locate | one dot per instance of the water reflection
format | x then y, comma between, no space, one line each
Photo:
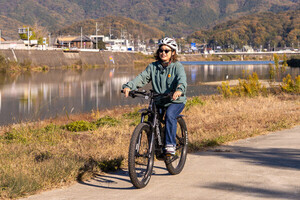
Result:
41,95
211,73
34,96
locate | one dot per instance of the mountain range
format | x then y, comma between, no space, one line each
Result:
174,17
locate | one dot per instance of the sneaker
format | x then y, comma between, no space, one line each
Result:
170,150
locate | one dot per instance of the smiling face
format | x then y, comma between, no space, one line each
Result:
165,53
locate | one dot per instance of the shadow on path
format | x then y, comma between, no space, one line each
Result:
114,180
255,191
281,158
272,157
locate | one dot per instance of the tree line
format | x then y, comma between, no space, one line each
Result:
266,30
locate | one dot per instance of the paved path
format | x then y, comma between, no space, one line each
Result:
264,167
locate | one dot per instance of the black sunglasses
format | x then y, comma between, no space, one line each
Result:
166,51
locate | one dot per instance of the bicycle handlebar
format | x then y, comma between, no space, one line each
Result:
147,95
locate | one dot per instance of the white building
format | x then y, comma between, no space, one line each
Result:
114,44
13,44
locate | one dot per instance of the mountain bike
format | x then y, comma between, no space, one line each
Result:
148,141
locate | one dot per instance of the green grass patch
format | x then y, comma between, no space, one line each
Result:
193,102
134,116
107,121
282,124
14,136
79,126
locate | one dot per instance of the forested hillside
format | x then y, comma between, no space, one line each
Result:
115,26
9,27
266,29
174,17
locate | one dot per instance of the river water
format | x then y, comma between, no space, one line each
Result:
33,96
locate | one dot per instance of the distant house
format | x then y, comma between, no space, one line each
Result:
8,43
118,44
247,48
83,42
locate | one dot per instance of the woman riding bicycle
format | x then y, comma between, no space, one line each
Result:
167,75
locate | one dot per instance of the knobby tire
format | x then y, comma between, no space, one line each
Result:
175,166
140,156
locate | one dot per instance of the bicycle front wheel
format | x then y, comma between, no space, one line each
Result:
141,155
176,163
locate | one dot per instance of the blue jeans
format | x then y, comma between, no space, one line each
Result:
171,122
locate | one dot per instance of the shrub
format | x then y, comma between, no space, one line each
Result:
247,87
14,136
250,87
289,85
2,61
276,61
284,64
26,64
107,120
51,128
271,73
225,89
80,126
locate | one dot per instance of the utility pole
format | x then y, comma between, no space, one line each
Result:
109,32
96,35
0,37
28,38
80,37
49,39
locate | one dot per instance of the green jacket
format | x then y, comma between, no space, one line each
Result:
164,80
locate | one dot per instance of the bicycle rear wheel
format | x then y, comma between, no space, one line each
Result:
141,156
176,163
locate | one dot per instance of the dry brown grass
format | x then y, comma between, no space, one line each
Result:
222,120
42,155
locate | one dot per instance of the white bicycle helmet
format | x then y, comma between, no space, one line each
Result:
170,43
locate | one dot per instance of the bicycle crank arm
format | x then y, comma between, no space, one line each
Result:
168,160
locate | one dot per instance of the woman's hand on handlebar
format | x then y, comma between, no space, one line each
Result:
176,95
126,91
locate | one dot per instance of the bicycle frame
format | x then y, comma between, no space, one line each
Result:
155,118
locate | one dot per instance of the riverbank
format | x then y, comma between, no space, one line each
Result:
48,154
59,58
49,59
